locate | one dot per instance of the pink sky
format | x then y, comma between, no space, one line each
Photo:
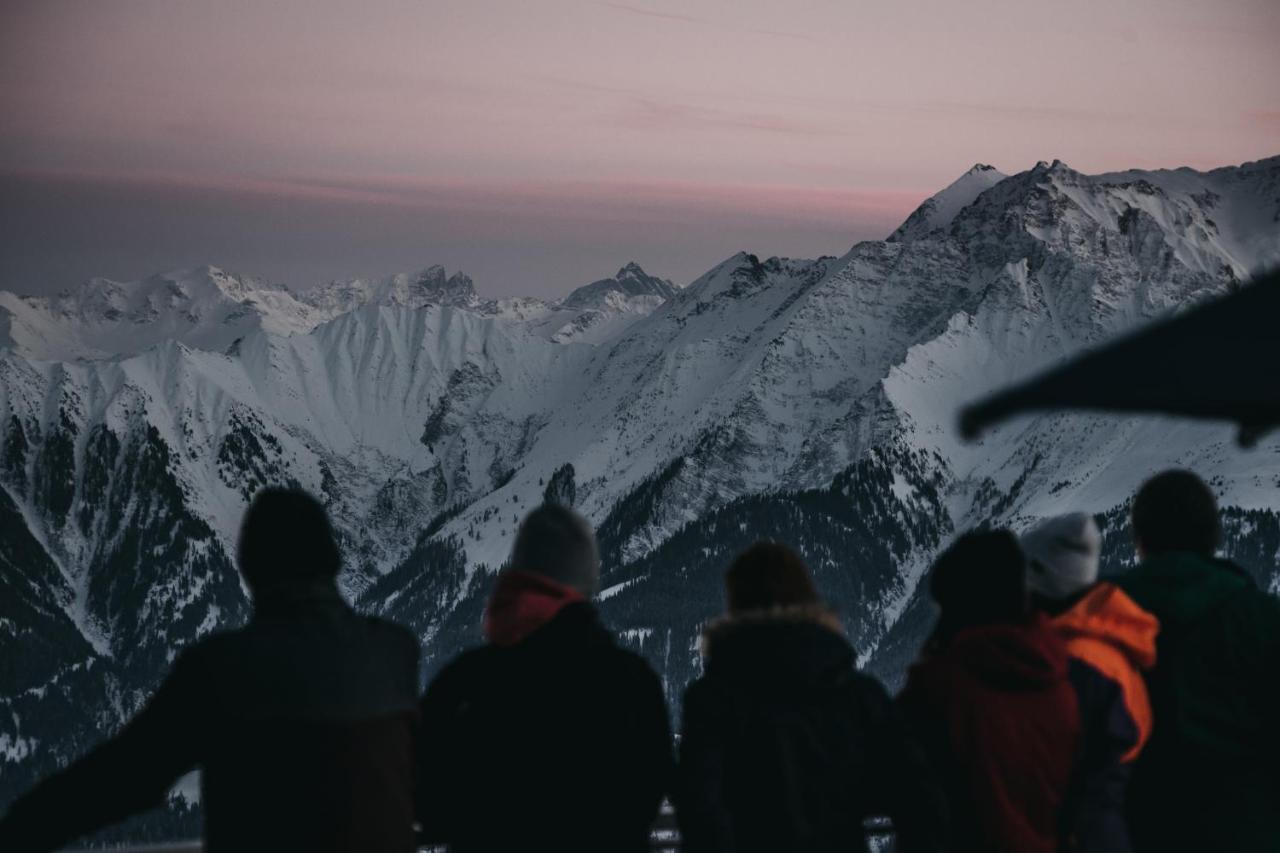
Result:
791,123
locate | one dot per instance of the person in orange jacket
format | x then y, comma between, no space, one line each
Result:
1111,641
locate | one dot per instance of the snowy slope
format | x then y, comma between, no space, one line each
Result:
208,309
204,308
813,400
938,211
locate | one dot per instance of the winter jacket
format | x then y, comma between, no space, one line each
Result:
1108,631
999,719
301,722
1094,813
787,747
1210,775
1110,641
557,742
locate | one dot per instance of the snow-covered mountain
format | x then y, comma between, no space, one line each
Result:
208,309
940,210
812,400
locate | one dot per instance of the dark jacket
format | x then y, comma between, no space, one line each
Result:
301,723
1210,775
558,742
787,747
1094,812
999,720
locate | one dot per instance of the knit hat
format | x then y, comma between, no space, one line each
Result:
980,580
286,538
768,575
1062,555
557,543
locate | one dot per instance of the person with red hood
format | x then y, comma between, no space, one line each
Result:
1112,642
991,702
550,736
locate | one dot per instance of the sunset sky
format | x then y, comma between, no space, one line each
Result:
539,145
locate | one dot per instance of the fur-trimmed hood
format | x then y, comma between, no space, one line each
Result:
812,614
803,645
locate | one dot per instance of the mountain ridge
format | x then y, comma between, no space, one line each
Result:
809,399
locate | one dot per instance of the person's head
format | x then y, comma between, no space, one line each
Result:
1062,555
1176,511
555,542
286,539
767,576
980,580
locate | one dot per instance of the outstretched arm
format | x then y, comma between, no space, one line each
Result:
127,774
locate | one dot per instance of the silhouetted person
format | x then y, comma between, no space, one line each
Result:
992,704
301,722
1209,778
550,737
1111,641
786,746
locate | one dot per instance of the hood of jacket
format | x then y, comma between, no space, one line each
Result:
1179,588
1108,614
522,602
1022,656
799,646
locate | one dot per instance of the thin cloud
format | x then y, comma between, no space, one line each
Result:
652,13
706,22
650,114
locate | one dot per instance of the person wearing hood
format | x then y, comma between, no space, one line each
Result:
1112,642
301,722
992,704
1209,777
785,745
550,736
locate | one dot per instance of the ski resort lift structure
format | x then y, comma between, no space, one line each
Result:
1217,361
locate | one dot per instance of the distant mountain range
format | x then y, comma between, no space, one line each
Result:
809,400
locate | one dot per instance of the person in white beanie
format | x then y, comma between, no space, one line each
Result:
1111,640
1062,555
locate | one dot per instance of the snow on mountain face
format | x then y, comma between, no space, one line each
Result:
631,282
938,211
204,308
432,286
811,400
208,309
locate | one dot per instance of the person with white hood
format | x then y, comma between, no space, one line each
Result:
1111,641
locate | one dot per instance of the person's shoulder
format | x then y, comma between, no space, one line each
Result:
211,650
469,667
934,675
393,637
1260,608
629,667
867,687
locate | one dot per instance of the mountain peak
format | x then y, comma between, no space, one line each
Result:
938,211
631,282
1057,167
436,285
631,270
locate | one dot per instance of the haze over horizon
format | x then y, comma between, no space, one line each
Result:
540,146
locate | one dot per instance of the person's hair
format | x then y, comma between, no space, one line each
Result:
557,543
286,537
980,580
768,575
1176,511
